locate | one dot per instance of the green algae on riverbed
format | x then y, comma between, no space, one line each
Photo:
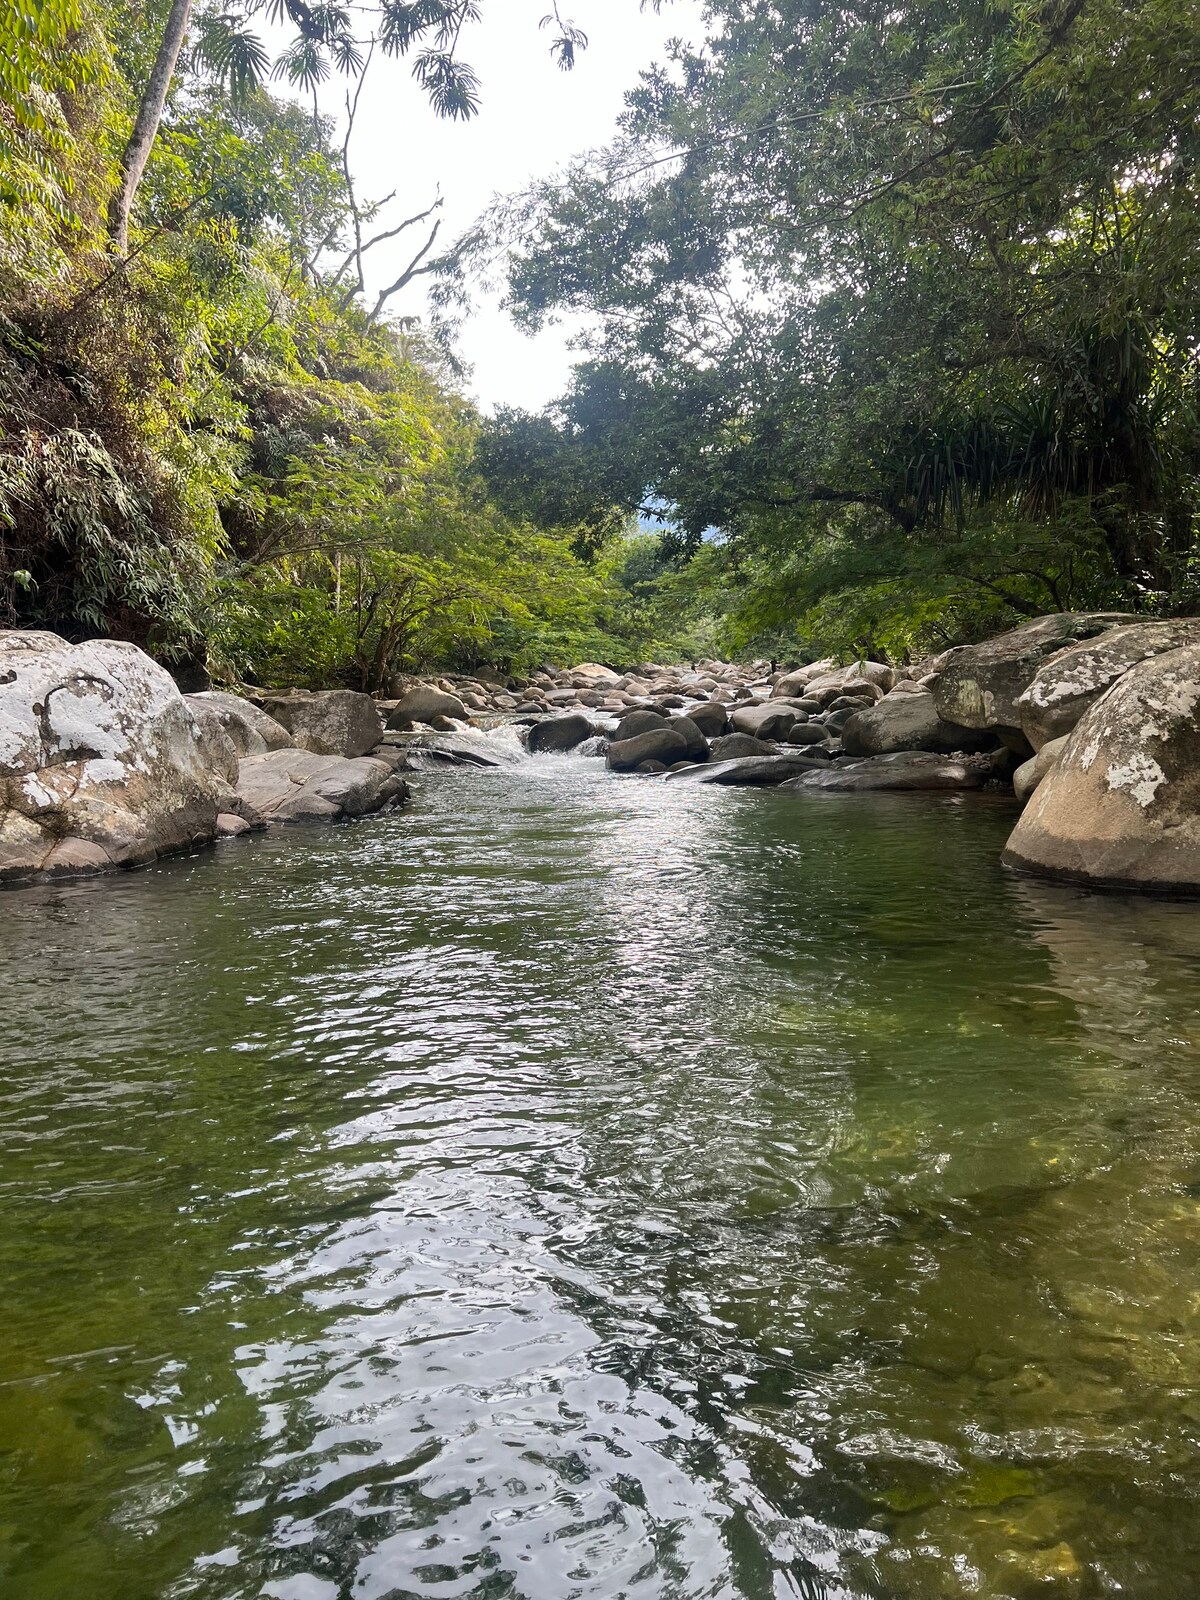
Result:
606,1189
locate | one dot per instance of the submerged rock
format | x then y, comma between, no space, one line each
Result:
1121,805
465,748
595,746
102,762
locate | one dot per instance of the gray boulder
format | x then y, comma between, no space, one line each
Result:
905,769
1121,805
249,727
219,750
656,744
423,702
734,746
870,679
636,722
302,786
791,683
102,762
466,747
908,720
811,733
697,744
978,685
559,733
1030,773
329,722
753,771
712,718
771,720
1071,680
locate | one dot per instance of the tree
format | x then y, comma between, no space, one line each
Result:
912,276
324,39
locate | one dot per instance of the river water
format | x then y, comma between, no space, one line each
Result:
576,1188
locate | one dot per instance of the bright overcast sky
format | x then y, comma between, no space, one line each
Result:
533,118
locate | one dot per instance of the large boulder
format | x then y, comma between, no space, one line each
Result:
905,769
102,763
735,746
1121,805
795,682
559,733
771,720
904,720
711,717
422,703
842,679
657,744
697,744
1030,773
329,722
219,750
635,722
598,677
303,786
1071,680
251,730
978,685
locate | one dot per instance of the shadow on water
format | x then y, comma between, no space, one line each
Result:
585,1187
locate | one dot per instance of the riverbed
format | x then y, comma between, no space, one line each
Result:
576,1188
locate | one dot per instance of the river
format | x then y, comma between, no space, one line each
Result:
575,1188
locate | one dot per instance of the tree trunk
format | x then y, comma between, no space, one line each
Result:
145,127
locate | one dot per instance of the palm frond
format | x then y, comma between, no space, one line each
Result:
452,86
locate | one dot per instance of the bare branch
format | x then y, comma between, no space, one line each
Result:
413,270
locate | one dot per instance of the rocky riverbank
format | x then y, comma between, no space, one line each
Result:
1089,719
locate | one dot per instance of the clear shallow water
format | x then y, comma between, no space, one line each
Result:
576,1187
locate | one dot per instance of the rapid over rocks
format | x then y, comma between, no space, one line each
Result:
1088,718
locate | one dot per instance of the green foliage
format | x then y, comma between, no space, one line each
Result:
328,38
917,281
209,447
52,57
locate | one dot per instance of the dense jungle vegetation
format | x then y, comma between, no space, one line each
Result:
212,442
905,299
897,309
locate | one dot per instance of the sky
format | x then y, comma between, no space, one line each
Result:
534,117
